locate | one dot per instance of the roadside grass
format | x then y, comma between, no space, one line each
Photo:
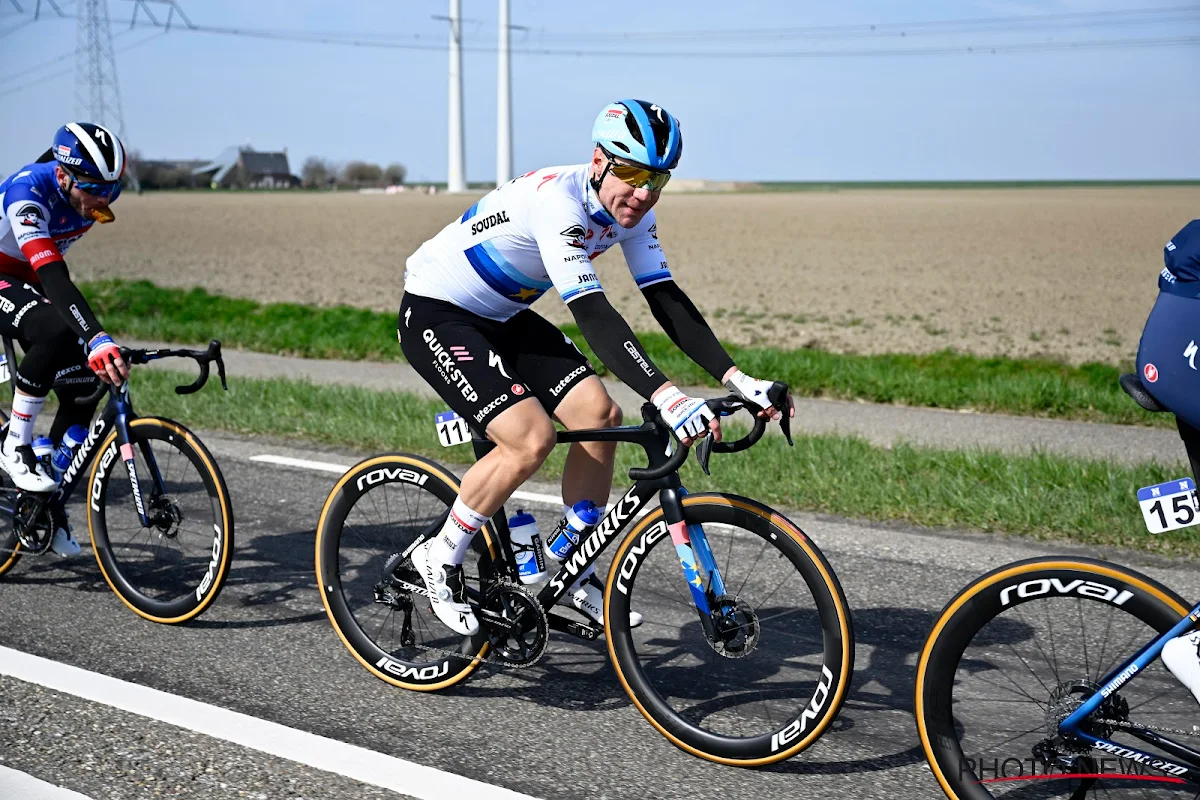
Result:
945,379
1040,495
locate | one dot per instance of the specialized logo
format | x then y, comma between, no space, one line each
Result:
70,160
489,408
797,726
444,362
581,556
84,451
549,177
30,215
1151,373
1142,758
576,235
497,363
490,221
391,474
1190,353
1042,586
631,348
659,112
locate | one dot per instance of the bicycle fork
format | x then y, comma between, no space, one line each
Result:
125,449
699,566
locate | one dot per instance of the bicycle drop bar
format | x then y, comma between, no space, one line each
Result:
202,358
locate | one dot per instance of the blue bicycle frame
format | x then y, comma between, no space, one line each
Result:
1071,728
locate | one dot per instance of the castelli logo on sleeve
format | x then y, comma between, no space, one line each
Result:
1151,373
518,389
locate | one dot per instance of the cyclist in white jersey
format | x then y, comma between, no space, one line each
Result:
465,325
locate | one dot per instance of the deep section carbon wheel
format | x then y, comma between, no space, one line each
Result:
375,599
173,569
1018,650
773,674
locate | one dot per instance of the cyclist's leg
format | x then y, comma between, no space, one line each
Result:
561,377
44,335
1191,440
73,381
457,353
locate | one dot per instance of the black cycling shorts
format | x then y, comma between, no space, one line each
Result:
480,366
53,352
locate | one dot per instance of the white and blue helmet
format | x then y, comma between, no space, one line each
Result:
640,132
89,151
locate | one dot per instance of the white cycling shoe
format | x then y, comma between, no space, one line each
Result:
447,594
64,543
24,469
1182,658
587,598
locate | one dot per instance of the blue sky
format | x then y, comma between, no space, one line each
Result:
1118,112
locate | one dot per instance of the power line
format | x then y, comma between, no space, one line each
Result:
41,83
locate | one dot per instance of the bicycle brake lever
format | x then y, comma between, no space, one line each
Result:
778,395
703,450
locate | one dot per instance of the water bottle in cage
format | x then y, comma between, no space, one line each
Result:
579,519
527,547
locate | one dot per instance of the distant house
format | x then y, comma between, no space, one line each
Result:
247,168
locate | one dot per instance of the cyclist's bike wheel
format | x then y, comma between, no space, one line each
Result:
173,569
778,681
10,550
1016,651
374,598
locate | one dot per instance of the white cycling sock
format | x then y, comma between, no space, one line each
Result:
451,545
24,413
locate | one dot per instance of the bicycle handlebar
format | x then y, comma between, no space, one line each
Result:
705,447
202,358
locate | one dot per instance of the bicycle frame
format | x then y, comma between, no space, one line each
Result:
691,545
1071,727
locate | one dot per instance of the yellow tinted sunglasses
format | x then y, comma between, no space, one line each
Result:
637,177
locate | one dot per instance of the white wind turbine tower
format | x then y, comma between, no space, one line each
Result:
456,180
503,103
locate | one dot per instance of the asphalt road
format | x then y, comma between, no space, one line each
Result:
561,729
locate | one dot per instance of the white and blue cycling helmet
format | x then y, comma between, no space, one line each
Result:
641,132
90,152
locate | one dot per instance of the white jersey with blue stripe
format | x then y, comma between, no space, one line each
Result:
536,232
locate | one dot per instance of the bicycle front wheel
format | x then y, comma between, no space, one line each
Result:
172,569
773,683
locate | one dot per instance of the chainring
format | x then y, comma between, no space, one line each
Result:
515,623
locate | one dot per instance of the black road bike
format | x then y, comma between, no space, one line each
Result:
158,510
746,649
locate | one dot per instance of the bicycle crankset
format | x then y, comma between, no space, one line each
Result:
735,629
33,522
515,623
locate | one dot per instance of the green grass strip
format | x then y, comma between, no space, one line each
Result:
940,380
1045,496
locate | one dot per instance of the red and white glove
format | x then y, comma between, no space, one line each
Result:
688,416
104,358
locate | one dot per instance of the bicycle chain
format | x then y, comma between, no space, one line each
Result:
1116,723
500,662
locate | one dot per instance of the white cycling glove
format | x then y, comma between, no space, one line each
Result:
752,390
688,416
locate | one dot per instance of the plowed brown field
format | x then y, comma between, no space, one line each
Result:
1068,273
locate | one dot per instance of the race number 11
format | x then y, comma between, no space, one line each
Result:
452,429
1170,506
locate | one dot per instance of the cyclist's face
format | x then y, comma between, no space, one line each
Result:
88,206
627,204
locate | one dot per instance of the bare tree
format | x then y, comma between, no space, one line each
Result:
317,173
395,174
361,174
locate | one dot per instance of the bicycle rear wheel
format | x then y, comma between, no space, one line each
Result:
778,687
1020,648
173,569
374,598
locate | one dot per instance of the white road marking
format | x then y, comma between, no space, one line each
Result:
329,755
325,466
17,784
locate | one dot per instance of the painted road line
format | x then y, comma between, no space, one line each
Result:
329,755
18,784
340,469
